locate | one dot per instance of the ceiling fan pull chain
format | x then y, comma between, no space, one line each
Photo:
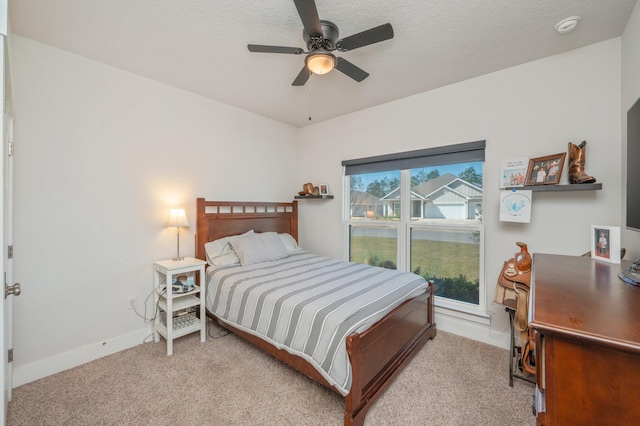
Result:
309,99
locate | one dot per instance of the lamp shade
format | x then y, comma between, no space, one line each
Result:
177,218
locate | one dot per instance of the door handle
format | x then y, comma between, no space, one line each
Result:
12,289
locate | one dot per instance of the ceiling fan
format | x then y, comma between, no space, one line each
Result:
321,38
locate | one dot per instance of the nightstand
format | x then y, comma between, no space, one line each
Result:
178,313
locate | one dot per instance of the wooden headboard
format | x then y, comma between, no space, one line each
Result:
217,219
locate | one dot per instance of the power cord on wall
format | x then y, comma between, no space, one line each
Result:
157,306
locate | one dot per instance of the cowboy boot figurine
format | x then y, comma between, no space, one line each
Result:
577,159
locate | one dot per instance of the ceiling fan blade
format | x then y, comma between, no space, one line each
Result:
274,49
365,38
302,77
309,16
350,70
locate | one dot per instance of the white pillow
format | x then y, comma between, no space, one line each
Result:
260,247
220,253
289,243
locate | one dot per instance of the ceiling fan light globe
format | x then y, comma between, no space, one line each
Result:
320,63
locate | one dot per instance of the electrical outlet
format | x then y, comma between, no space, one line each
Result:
132,302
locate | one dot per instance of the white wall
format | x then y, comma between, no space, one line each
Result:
530,110
630,94
101,157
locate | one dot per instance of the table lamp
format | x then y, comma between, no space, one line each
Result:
178,218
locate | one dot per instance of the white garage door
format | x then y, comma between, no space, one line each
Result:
446,211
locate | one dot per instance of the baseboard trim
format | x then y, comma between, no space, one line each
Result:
27,373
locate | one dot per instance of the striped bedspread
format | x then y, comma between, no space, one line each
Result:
307,305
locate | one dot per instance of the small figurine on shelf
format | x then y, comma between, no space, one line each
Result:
309,189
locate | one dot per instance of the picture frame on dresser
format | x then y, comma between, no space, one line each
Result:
605,243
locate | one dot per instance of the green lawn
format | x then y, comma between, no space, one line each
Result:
436,258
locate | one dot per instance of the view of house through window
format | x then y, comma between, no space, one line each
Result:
427,220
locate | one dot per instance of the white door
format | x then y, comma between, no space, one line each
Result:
5,265
4,309
7,244
6,271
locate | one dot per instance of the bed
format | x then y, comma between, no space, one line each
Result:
375,353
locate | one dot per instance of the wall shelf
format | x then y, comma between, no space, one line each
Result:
559,188
314,197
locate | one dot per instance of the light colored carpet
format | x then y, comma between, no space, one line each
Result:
226,381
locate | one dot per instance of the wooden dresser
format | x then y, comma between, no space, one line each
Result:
587,326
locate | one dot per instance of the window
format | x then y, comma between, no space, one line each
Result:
421,211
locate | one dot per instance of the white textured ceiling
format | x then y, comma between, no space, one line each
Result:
201,45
